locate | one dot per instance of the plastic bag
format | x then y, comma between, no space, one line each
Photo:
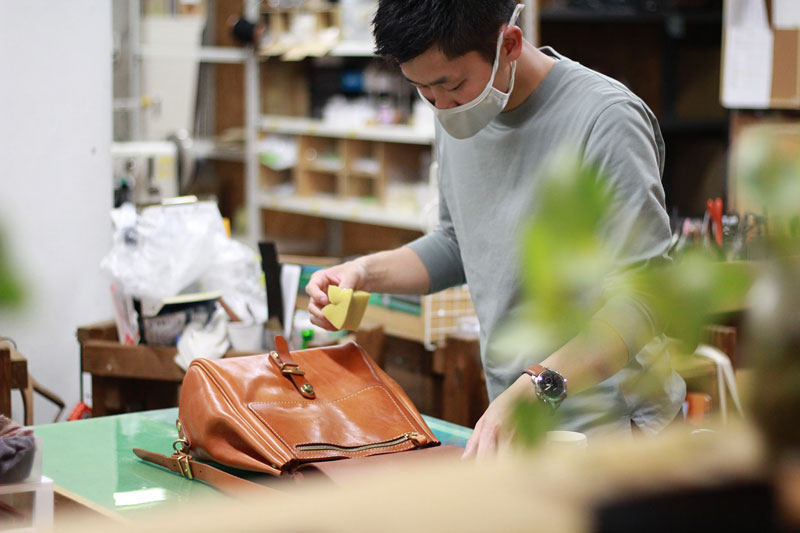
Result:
167,250
236,272
203,339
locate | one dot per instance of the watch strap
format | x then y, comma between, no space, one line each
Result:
534,371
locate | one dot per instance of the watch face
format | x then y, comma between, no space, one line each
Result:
552,385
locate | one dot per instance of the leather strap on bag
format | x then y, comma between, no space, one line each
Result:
189,468
283,360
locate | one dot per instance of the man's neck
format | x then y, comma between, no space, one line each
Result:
533,67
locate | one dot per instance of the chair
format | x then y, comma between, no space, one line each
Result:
14,375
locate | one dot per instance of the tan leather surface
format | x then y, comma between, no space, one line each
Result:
346,472
243,412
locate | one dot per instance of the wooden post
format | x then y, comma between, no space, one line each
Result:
722,338
372,338
5,382
464,390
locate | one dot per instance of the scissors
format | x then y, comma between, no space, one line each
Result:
714,207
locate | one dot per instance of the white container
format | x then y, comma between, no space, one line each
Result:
246,336
566,440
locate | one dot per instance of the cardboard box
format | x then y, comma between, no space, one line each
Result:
761,54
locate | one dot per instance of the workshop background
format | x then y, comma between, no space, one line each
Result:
279,114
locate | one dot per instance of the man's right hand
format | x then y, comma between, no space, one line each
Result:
350,275
398,271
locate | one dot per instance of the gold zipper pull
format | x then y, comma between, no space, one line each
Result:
413,436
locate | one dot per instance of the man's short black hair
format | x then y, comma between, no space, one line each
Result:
404,29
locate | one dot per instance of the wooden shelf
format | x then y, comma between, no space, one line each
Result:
204,54
351,210
362,174
309,126
354,49
325,169
211,149
629,15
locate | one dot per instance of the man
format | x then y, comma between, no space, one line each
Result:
502,107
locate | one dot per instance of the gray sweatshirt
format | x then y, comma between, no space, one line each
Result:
487,186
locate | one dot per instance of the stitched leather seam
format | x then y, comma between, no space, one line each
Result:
300,402
402,411
210,374
391,395
273,430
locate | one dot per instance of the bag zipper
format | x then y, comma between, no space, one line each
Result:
412,435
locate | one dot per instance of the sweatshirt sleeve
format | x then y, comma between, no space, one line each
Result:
440,253
626,146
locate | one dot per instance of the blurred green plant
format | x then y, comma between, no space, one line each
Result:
570,270
11,293
565,261
531,420
768,160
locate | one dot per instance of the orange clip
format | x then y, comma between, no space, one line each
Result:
715,216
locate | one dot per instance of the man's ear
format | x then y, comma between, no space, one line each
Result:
512,42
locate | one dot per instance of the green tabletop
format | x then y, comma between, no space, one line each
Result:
92,458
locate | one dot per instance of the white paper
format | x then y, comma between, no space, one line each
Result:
786,14
747,72
171,80
290,280
746,13
726,383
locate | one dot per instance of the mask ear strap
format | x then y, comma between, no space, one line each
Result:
496,65
511,22
513,76
515,15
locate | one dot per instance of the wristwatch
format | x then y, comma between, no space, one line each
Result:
551,387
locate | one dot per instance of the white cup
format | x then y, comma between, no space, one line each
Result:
566,440
246,336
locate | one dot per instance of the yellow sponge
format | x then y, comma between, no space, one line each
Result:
347,307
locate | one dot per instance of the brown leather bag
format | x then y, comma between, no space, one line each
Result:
279,411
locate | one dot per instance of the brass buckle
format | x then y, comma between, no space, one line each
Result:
294,368
184,466
181,446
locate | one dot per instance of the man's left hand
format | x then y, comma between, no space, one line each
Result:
492,433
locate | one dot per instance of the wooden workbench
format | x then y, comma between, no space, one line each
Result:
129,378
94,469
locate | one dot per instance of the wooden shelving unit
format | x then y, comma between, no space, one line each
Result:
356,168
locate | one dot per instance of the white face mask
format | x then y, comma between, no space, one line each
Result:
468,119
